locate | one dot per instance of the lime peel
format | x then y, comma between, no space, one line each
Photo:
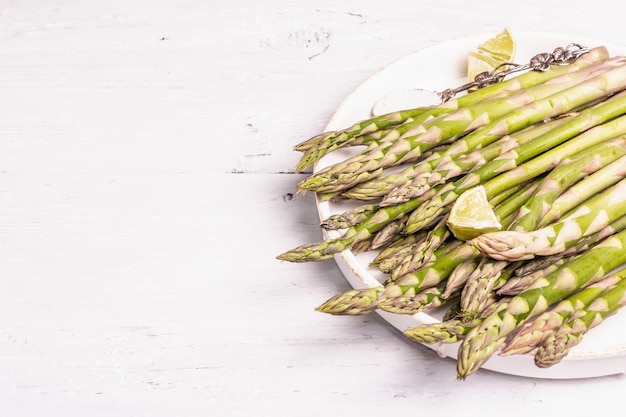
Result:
471,215
495,51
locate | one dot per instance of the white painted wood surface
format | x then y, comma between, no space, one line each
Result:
146,180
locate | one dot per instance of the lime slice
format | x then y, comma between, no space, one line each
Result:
492,53
472,215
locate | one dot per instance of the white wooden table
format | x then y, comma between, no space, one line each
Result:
146,186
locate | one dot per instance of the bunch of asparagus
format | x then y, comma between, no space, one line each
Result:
549,149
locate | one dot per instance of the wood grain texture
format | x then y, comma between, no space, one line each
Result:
146,186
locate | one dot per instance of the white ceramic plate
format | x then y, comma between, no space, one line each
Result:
603,350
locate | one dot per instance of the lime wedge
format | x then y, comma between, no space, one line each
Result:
492,53
471,215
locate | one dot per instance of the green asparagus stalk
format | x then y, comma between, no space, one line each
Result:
320,145
507,208
509,194
363,231
598,124
349,218
395,300
372,189
369,132
404,294
531,272
486,275
407,288
535,331
505,204
388,233
479,292
335,139
601,210
484,340
569,200
519,283
563,176
352,302
427,256
362,246
558,344
407,281
364,301
378,186
451,330
455,161
374,132
405,146
422,253
461,275
389,257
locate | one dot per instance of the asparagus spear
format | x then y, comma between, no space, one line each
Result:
410,260
535,331
423,252
510,194
326,249
512,202
459,276
407,288
601,210
558,344
396,299
415,179
450,330
560,178
407,281
586,188
455,161
568,172
507,208
484,340
319,145
389,257
349,218
598,124
352,302
519,283
388,233
406,145
377,187
531,272
479,292
364,301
